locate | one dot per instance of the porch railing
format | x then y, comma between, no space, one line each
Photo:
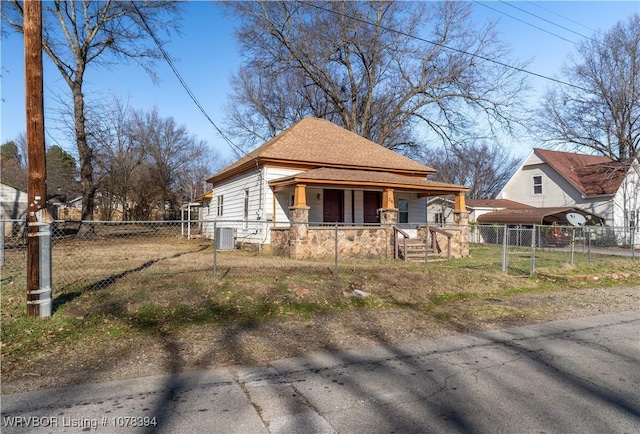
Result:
396,237
434,242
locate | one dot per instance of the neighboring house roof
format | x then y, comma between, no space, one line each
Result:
539,216
495,203
206,196
591,175
313,142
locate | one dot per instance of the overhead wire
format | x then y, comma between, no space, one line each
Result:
549,21
561,16
239,152
523,21
236,149
457,50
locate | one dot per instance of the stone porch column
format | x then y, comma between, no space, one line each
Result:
388,218
461,219
298,233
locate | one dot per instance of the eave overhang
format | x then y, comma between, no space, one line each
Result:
354,178
260,162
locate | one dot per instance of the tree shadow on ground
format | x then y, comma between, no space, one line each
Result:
108,281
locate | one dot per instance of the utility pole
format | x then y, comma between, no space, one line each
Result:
37,189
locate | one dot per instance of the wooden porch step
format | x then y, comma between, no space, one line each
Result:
416,251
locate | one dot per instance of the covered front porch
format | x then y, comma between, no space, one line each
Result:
367,207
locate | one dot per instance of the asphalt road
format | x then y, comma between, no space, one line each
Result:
579,376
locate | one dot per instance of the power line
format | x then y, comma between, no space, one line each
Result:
561,16
548,21
239,152
457,50
524,22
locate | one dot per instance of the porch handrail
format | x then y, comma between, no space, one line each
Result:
434,241
396,231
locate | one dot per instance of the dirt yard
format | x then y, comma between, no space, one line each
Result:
171,316
207,346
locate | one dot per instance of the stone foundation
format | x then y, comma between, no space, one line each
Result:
301,241
320,242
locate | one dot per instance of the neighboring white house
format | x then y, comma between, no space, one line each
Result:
596,184
13,207
329,175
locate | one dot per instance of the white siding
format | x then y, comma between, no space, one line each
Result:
283,198
627,198
233,194
315,204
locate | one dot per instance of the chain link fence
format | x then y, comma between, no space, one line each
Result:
92,255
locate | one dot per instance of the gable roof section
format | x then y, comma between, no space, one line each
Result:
591,175
313,142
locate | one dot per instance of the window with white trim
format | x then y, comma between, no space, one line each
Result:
219,206
536,182
245,214
403,211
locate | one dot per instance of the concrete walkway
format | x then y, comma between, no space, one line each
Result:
578,376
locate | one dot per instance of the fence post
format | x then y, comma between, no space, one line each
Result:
533,251
335,266
426,245
215,254
573,243
2,242
589,246
46,284
633,243
504,248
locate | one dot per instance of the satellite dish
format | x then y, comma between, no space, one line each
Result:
576,219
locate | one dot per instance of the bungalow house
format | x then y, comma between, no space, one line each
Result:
289,193
603,188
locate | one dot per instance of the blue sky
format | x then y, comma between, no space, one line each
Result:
206,55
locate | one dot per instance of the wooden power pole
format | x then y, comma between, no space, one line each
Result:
37,189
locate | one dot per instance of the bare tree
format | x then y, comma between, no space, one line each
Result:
600,113
376,68
79,33
483,168
118,157
147,163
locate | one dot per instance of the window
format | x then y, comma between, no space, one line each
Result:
219,206
537,184
245,214
403,211
439,218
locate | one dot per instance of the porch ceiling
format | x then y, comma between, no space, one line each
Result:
348,178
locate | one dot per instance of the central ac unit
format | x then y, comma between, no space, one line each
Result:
225,239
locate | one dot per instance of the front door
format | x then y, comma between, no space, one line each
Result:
372,203
333,206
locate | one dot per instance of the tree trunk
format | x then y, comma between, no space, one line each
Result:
85,157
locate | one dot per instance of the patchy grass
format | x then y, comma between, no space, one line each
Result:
143,304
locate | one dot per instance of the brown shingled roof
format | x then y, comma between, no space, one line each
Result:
590,174
314,142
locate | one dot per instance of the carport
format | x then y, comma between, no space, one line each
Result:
541,216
